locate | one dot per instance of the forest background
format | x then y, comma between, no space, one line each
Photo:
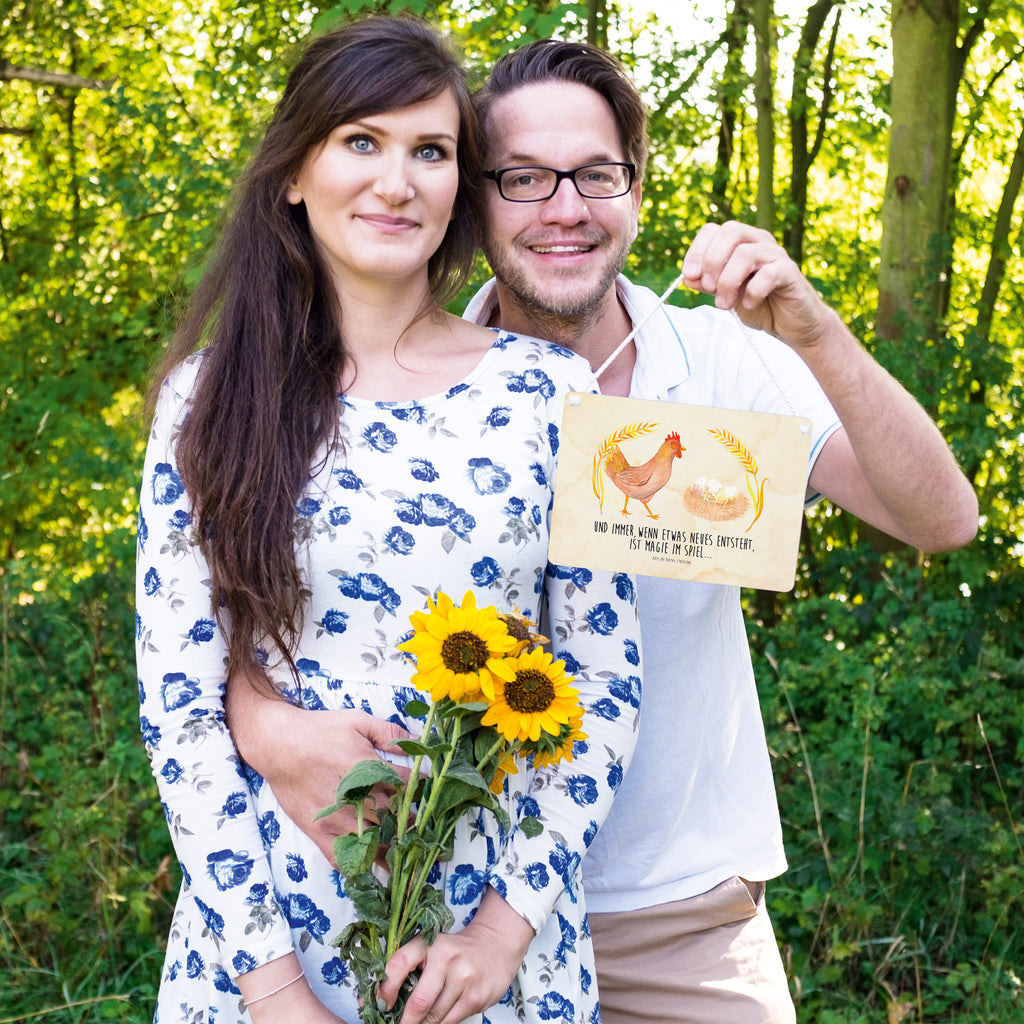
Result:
882,143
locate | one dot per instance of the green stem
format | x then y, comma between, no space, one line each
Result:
413,886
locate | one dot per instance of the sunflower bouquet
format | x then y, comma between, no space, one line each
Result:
496,697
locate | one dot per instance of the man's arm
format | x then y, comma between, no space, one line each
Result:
304,754
888,464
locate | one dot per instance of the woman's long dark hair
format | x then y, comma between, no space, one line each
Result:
265,403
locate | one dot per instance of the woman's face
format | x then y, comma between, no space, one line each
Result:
379,191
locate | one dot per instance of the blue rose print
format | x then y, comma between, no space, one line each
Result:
302,912
210,917
334,621
515,506
167,485
498,417
536,876
172,770
585,979
178,690
339,516
180,520
258,894
270,828
229,868
296,867
150,732
582,789
488,477
632,653
436,509
540,474
553,438
625,590
380,437
457,390
567,941
400,541
554,1006
615,777
194,964
151,581
572,666
528,807
413,413
368,586
536,515
576,575
465,885
461,523
347,479
626,690
335,971
590,834
142,531
235,805
485,572
202,631
566,863
423,471
243,962
222,981
606,708
602,619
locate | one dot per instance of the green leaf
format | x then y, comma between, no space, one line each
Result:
531,826
354,853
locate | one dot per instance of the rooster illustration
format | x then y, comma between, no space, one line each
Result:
642,482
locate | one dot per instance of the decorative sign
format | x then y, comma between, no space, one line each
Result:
682,491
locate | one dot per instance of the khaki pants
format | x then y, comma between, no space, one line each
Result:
710,959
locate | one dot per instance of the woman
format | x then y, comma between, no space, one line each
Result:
340,450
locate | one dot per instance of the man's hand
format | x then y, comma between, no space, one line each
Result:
304,754
748,271
464,973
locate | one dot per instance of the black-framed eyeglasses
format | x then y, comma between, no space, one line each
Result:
535,184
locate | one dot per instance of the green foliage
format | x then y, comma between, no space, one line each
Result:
890,687
891,692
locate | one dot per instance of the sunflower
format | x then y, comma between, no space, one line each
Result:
522,629
550,750
535,698
459,651
506,766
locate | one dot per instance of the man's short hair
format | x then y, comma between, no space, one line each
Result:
555,60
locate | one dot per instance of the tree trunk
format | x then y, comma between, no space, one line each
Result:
597,23
729,93
761,14
803,152
915,211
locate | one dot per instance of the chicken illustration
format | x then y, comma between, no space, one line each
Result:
642,482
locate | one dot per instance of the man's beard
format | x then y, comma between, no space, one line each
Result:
565,310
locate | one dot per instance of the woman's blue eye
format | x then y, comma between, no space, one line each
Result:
432,152
361,143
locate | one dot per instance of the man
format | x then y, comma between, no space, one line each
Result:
675,878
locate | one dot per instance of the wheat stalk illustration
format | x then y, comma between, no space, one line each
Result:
625,433
755,488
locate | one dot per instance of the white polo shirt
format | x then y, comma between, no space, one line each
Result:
698,803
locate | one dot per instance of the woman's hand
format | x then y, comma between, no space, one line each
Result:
464,973
304,754
278,993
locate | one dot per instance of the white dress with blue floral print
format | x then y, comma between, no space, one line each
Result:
450,492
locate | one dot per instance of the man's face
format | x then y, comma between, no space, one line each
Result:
559,256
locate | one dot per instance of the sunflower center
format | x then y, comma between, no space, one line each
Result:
464,652
518,628
529,692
